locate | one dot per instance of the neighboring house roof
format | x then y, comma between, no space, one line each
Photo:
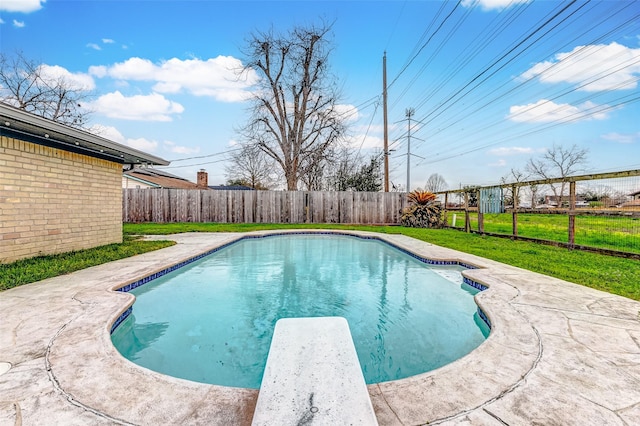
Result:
232,187
159,179
19,124
633,203
633,194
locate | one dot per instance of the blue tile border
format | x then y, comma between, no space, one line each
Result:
484,317
145,280
123,316
474,284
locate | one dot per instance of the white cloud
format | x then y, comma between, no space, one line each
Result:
622,138
21,6
603,67
545,111
500,163
365,142
492,4
217,77
94,46
508,151
78,81
18,24
98,71
348,112
154,107
108,41
133,69
1,21
113,134
107,132
142,144
177,149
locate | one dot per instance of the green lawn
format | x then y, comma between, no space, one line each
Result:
611,274
608,232
41,267
607,273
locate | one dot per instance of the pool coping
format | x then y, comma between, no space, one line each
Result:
558,353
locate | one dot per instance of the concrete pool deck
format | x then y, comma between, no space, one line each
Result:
558,354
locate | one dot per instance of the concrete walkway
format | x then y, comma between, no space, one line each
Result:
558,354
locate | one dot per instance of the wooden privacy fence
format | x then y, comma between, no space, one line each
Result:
188,205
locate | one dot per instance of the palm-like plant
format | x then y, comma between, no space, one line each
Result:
423,212
421,197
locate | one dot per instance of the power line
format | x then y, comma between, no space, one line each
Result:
556,66
425,43
599,109
206,156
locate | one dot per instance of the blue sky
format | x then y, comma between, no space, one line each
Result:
492,82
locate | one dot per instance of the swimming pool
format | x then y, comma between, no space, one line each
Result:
212,321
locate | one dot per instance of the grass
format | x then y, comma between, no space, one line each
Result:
42,267
608,232
611,274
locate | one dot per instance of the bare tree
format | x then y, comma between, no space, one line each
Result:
435,183
251,166
558,162
317,168
294,118
341,170
25,85
511,193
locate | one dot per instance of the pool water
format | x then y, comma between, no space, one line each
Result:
212,321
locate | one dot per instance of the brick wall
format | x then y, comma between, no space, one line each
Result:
54,201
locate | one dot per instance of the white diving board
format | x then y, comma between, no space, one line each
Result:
313,377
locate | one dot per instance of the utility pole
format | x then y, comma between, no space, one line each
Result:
384,114
409,112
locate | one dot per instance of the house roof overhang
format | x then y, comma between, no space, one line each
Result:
23,125
137,179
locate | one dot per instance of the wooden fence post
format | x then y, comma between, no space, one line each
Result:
467,218
572,214
444,211
514,213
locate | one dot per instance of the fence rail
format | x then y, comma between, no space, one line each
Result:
186,205
598,212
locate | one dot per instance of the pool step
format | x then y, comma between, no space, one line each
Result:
313,376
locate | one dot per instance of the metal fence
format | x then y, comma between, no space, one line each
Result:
598,212
186,205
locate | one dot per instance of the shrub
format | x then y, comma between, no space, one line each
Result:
423,212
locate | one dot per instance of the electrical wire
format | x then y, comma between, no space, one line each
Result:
555,66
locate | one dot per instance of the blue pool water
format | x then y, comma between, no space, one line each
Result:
212,321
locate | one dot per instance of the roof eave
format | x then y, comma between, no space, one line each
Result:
14,121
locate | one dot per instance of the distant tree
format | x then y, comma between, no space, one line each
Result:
341,178
238,182
473,192
27,86
558,162
367,177
294,117
250,166
514,176
435,183
601,195
397,187
319,169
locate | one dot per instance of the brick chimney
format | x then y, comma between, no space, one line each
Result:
203,179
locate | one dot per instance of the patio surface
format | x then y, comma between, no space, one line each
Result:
558,354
